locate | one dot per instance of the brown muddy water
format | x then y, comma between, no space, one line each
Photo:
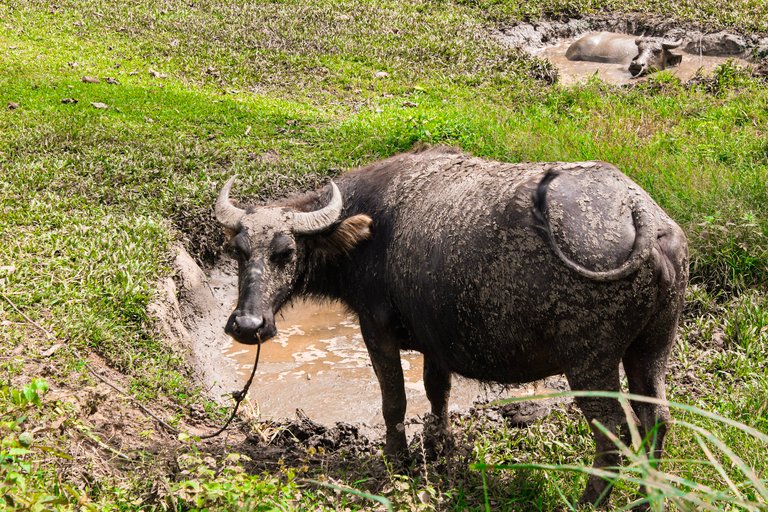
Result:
317,363
572,72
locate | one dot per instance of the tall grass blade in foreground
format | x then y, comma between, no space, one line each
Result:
736,485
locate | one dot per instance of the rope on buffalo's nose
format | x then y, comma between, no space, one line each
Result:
239,396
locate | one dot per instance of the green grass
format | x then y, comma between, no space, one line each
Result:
286,94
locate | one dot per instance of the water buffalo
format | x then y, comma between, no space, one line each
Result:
494,271
642,54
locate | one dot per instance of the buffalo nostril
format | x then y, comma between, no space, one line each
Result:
245,328
247,324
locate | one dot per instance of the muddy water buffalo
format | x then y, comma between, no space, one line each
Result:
642,54
494,271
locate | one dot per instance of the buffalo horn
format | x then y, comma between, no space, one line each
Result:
313,222
674,44
228,214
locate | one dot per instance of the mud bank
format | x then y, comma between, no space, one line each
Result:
696,39
344,445
317,369
702,50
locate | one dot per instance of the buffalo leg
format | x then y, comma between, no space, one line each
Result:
384,350
437,383
606,411
645,364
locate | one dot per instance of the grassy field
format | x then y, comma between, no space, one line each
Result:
97,180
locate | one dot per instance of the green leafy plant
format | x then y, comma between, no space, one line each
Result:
210,484
18,472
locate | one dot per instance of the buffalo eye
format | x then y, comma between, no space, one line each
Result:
281,249
239,247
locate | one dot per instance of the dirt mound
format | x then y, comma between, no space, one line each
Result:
309,434
189,311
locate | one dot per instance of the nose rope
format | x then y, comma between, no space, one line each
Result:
239,396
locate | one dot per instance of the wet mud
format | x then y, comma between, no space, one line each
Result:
571,72
318,364
353,452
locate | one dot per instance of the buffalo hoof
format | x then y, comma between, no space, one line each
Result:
438,439
396,447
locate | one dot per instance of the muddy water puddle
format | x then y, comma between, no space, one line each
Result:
572,72
318,363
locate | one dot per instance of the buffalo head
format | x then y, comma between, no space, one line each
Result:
274,246
653,55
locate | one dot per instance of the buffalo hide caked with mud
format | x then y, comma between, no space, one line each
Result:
642,55
494,271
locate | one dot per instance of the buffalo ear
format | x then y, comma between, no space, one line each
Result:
674,60
343,237
229,233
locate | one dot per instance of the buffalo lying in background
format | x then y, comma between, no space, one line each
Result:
642,54
494,271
